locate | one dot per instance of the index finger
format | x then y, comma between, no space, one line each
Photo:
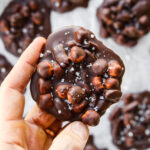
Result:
12,89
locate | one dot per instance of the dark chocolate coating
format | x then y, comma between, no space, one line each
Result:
130,122
82,94
124,20
5,68
21,22
66,5
91,145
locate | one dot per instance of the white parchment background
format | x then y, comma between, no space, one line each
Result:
136,59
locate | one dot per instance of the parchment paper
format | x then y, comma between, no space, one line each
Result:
136,59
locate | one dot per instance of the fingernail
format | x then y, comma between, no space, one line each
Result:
80,129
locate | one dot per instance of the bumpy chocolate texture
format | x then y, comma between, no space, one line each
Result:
125,20
91,146
5,68
77,78
21,22
66,5
131,122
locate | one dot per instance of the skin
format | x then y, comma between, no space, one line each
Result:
29,134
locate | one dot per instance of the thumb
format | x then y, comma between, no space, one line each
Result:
73,137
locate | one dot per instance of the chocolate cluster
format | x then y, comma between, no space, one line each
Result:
21,22
5,68
77,77
125,20
130,122
66,5
91,145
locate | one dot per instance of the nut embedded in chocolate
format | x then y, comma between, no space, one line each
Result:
97,83
46,101
114,69
112,83
77,67
33,5
113,95
37,18
62,90
91,117
44,69
76,94
91,144
44,86
100,66
5,68
77,54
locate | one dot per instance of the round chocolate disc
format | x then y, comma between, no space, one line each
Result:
77,77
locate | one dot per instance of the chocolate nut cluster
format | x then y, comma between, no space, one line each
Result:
125,20
77,77
130,122
66,5
5,68
90,144
21,22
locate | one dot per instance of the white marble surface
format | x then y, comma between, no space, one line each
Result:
136,59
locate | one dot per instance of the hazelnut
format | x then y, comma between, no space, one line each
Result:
99,66
131,32
62,90
44,86
45,101
44,69
16,20
33,5
80,34
112,83
77,54
113,95
91,117
76,94
98,86
3,26
37,18
114,69
60,55
58,71
79,107
25,11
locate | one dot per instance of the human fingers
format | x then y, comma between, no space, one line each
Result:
12,89
73,137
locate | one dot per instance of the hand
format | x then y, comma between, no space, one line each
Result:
30,133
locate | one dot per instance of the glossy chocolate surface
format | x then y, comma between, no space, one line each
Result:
77,77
